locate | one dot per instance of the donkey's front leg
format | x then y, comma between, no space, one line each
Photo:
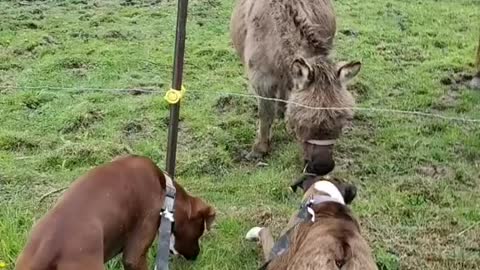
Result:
266,113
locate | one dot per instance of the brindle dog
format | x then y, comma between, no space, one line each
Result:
329,240
285,46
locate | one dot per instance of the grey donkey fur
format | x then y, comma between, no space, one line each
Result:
285,47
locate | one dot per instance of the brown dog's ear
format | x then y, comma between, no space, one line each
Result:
209,217
199,209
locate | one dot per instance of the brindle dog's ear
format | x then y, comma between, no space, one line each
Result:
350,192
302,73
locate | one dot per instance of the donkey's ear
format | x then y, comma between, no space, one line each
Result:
348,71
302,73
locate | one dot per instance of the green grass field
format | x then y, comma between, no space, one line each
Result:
418,177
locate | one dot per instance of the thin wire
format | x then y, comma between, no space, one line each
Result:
416,113
81,89
356,108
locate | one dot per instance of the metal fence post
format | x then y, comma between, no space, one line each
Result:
161,262
176,84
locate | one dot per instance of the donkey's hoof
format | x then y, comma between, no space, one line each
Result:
253,234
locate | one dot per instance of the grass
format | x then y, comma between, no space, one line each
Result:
418,178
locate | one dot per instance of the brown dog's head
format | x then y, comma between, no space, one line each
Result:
307,184
192,217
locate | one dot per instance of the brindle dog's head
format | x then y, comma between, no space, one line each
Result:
306,183
191,221
318,82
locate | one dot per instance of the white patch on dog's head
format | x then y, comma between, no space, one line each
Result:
330,189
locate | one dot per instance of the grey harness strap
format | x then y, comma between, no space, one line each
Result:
305,214
166,225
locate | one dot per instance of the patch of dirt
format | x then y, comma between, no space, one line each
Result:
132,128
435,172
115,34
475,82
447,101
74,63
83,121
143,3
402,55
16,143
349,32
344,164
456,80
35,101
262,218
235,104
360,90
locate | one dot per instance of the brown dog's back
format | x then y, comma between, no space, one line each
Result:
127,189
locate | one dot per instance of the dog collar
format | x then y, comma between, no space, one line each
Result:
322,142
166,225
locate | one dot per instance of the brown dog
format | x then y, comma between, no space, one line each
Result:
330,239
113,208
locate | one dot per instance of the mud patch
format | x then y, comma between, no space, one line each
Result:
34,101
235,104
212,161
138,3
117,35
360,91
349,32
84,121
436,172
447,101
132,128
457,80
262,218
403,55
17,143
475,82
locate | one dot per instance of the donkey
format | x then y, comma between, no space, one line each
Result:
285,47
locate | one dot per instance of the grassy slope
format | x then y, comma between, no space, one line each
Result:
418,178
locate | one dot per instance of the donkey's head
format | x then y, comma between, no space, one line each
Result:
318,82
